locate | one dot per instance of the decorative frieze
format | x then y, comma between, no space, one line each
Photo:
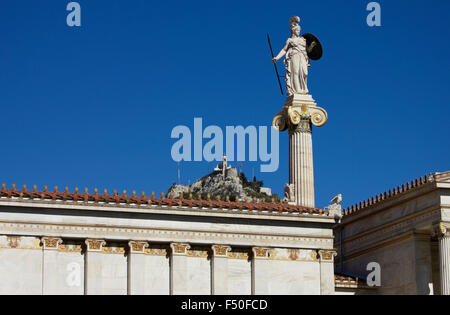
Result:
20,242
13,241
157,250
197,252
163,235
242,254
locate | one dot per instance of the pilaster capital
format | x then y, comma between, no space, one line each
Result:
327,255
441,230
220,250
95,245
137,247
179,249
51,243
260,252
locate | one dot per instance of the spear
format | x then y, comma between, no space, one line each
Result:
275,65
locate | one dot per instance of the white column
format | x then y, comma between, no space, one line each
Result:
50,277
327,272
301,169
93,284
178,269
219,270
443,233
136,268
260,271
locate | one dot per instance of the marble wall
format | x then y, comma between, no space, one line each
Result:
32,265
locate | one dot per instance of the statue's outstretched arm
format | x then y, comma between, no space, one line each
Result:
281,54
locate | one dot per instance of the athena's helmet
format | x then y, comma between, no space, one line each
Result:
294,23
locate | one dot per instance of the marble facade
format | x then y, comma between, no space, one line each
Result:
68,247
405,231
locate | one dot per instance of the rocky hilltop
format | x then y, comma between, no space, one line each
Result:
225,183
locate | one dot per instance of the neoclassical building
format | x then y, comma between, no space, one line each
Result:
405,230
89,243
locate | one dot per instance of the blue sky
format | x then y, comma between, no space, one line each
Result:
94,106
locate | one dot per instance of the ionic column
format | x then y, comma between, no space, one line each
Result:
178,269
50,278
93,284
219,270
301,169
443,234
327,272
136,268
260,271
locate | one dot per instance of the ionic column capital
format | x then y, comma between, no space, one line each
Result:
220,250
51,243
179,249
441,230
95,245
327,255
260,252
137,247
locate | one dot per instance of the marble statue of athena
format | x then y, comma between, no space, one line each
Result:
296,60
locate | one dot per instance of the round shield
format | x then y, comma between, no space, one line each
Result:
314,50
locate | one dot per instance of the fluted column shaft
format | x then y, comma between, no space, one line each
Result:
444,262
301,169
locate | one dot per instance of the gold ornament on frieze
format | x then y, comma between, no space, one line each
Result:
156,251
293,254
13,241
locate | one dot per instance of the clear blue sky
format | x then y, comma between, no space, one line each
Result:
94,106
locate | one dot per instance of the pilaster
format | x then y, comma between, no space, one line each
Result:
219,269
50,278
178,269
327,271
93,267
136,267
260,271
